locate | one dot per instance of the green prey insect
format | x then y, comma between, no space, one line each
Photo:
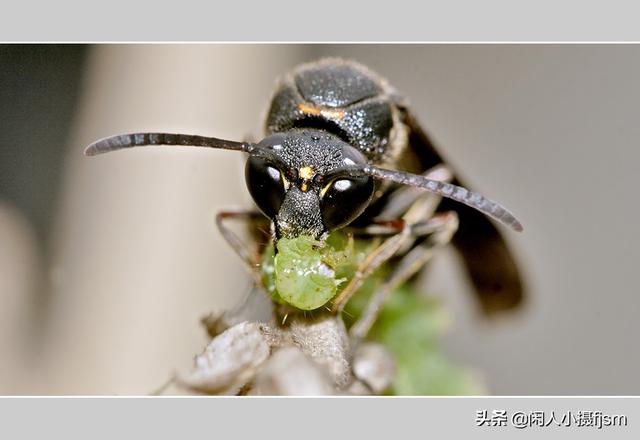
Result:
345,222
303,272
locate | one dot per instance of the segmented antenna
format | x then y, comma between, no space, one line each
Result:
119,142
457,193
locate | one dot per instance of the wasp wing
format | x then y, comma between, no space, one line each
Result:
487,258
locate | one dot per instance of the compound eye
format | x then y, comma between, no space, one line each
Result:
343,200
266,185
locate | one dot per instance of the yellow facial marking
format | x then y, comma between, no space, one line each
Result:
325,189
306,173
285,182
309,109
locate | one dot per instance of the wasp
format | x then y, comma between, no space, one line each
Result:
343,152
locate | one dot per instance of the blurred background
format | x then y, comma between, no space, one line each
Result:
108,263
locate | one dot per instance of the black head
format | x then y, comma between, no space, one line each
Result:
297,190
309,182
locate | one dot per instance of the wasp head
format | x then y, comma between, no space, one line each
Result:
293,185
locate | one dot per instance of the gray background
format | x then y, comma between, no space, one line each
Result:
132,260
332,20
365,417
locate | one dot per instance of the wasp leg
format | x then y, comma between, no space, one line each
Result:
422,205
248,255
414,205
384,228
374,260
401,200
218,322
441,227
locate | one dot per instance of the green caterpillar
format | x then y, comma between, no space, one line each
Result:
303,272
